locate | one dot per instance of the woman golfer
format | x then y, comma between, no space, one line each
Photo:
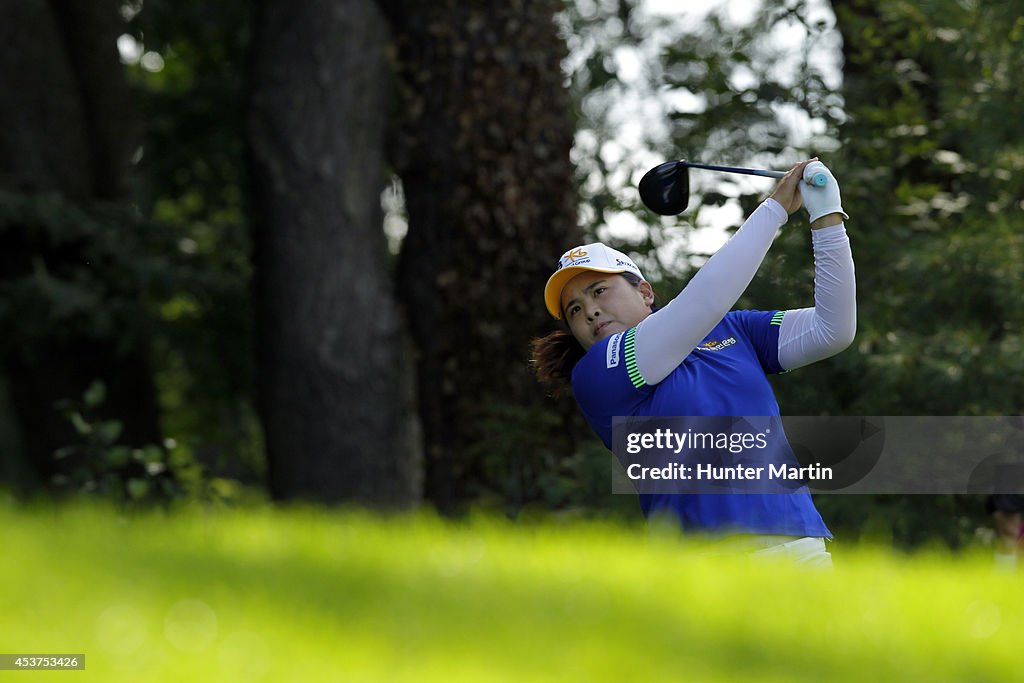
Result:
695,357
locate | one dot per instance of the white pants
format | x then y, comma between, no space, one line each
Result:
806,552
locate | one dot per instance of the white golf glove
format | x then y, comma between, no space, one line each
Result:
821,200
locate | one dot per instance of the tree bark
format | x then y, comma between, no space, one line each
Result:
334,378
483,153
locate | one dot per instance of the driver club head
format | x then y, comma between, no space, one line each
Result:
665,189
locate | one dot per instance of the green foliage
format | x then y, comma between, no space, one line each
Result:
169,271
191,167
136,283
905,522
936,230
652,88
99,464
566,476
325,596
192,177
107,291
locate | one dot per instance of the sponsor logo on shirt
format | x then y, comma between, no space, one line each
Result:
716,345
614,345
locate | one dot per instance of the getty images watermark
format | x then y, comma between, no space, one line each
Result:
770,454
690,442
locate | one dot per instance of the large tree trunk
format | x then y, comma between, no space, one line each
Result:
483,153
67,131
333,374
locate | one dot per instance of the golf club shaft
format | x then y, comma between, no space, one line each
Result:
733,169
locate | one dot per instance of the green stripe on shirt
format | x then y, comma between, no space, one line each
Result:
629,351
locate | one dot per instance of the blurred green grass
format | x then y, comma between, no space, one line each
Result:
315,595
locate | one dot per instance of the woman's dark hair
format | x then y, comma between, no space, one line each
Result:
553,356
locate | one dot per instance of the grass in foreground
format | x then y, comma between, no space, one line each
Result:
311,595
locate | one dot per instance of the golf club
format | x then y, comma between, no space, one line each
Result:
665,189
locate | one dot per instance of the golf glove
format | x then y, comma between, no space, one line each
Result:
821,201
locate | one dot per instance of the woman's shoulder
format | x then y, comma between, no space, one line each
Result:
753,316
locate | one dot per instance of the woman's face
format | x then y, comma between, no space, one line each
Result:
597,305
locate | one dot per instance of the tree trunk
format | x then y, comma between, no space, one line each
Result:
483,153
67,130
333,372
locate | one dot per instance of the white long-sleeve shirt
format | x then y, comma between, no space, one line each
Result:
667,336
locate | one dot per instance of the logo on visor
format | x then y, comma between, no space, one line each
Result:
574,255
570,258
